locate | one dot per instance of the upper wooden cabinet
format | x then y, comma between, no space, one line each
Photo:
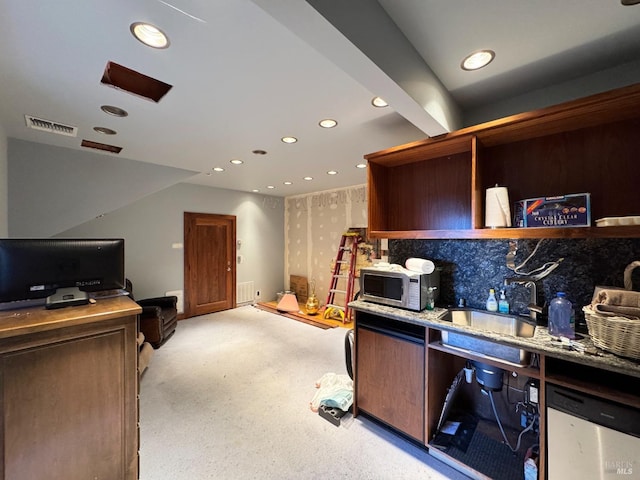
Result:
435,188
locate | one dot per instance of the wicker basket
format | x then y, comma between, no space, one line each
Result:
617,335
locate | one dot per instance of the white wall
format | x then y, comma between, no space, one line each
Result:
4,184
151,225
314,224
53,188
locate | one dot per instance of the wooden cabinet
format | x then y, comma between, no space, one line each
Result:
403,373
435,188
390,379
69,385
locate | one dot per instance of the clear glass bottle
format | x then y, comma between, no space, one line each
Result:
560,311
431,296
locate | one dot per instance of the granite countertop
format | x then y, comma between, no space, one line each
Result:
541,342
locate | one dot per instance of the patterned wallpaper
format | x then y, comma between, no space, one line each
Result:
314,224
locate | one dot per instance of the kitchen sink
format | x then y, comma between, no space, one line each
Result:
496,323
491,322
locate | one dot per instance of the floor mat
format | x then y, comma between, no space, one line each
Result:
490,457
462,437
315,320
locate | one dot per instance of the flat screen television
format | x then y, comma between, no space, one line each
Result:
58,272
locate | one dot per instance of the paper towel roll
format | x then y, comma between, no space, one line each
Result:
497,211
420,265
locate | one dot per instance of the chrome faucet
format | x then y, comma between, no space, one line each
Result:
530,283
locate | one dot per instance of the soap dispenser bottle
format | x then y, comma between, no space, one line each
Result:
492,303
503,304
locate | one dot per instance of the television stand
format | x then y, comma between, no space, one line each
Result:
67,297
69,386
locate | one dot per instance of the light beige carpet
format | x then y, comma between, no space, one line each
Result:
227,397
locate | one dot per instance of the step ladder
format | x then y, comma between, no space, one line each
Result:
347,252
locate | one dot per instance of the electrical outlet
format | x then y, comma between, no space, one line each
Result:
257,293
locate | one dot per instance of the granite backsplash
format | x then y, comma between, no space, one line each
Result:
470,267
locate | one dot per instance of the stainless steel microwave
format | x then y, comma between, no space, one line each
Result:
399,287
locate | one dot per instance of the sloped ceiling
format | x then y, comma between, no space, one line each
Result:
246,73
66,187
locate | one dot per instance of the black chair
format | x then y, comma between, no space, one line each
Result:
159,317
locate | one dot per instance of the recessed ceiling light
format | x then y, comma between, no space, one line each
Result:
218,169
270,186
477,60
328,123
259,152
361,165
308,178
236,161
105,130
149,34
379,102
115,111
255,190
332,172
288,183
289,139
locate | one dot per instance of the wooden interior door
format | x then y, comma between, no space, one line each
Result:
209,263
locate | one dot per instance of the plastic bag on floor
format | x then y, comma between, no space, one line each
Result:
333,391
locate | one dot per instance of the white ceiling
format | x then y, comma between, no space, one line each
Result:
246,73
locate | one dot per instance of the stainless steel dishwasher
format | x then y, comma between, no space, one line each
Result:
591,438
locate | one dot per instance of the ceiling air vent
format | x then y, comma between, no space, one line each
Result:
101,146
49,126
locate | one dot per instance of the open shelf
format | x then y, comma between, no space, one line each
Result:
512,367
610,385
512,233
435,188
